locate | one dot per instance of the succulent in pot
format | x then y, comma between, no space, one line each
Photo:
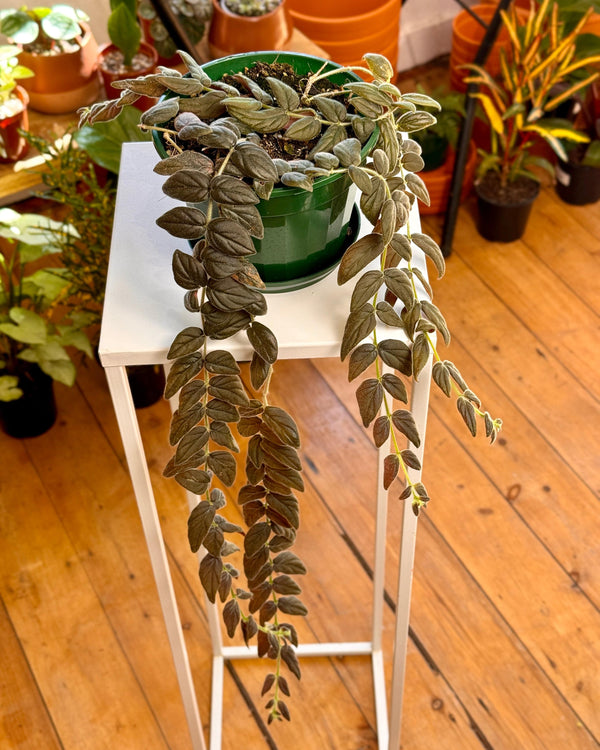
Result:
192,15
58,46
13,104
247,25
34,336
517,107
220,133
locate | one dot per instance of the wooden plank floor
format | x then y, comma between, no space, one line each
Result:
505,625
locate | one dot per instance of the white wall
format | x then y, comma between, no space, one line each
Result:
425,30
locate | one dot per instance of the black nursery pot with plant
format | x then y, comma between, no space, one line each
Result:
576,183
35,411
503,218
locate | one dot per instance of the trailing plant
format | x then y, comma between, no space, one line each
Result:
33,328
251,7
10,72
542,56
217,133
42,30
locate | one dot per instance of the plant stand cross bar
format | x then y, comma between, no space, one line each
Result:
142,312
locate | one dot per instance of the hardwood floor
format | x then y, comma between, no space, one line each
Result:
505,625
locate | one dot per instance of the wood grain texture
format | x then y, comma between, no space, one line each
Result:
504,620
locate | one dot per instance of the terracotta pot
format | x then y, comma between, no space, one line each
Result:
108,76
12,144
346,31
592,26
467,35
438,182
63,82
230,34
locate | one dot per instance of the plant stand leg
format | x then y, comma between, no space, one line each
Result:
140,477
419,406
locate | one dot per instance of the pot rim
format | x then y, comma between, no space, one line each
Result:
220,6
511,204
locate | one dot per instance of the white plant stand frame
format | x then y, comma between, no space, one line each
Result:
143,311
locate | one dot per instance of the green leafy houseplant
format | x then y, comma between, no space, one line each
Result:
42,30
438,138
542,57
10,73
124,30
32,327
218,133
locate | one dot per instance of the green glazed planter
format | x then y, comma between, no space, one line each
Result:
306,234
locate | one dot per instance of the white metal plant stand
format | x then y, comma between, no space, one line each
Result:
143,311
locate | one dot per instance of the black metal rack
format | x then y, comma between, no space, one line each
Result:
462,147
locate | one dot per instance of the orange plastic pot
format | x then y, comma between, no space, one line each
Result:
230,34
12,144
438,182
108,76
63,82
346,30
467,35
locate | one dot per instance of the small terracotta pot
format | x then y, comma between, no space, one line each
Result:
230,34
107,76
12,144
467,35
347,31
63,82
438,182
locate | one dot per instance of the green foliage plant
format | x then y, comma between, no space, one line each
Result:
542,56
220,172
32,326
251,7
10,73
124,29
42,30
443,134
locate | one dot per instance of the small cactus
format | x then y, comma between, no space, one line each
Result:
251,7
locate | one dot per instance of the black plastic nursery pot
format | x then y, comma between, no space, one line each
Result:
306,234
35,412
503,221
577,184
147,383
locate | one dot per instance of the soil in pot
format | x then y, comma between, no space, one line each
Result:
503,210
35,412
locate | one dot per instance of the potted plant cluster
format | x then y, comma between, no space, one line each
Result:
246,25
238,135
193,15
34,335
13,105
58,46
126,55
534,81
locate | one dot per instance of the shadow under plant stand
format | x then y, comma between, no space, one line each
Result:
143,311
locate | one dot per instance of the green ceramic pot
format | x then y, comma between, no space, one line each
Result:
306,233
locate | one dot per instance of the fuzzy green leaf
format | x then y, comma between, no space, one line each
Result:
359,255
369,396
359,325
